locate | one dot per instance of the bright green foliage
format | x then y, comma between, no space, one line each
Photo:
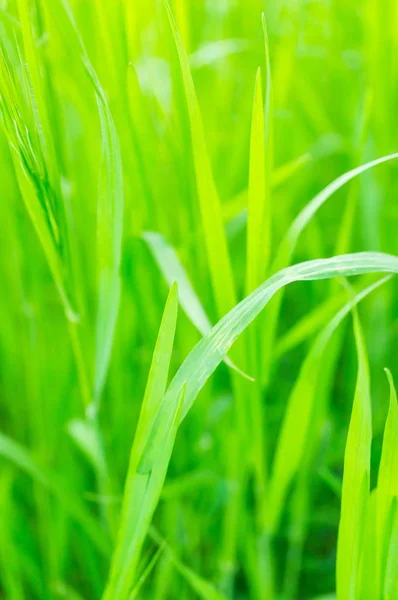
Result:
230,162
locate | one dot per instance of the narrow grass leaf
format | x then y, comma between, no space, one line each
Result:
259,210
387,484
210,351
214,234
172,270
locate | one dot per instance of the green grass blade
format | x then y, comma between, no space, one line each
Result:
390,588
214,234
109,238
356,480
290,240
387,484
21,458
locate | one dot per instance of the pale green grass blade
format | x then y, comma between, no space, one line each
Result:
387,484
297,425
289,243
207,355
356,481
214,234
259,209
173,270
141,493
307,214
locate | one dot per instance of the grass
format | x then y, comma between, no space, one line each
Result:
198,202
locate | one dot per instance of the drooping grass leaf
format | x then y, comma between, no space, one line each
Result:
207,355
259,209
214,234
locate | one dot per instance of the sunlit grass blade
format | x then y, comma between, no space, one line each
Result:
142,492
213,227
298,425
387,485
356,480
21,458
308,325
368,578
209,352
259,210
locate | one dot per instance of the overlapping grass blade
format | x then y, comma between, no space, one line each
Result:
142,492
207,355
173,270
356,481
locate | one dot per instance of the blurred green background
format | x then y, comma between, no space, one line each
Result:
335,91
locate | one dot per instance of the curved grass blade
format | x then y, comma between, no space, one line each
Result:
356,480
297,424
391,580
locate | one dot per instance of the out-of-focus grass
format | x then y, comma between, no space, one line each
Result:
142,144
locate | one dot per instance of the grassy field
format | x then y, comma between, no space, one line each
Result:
177,420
